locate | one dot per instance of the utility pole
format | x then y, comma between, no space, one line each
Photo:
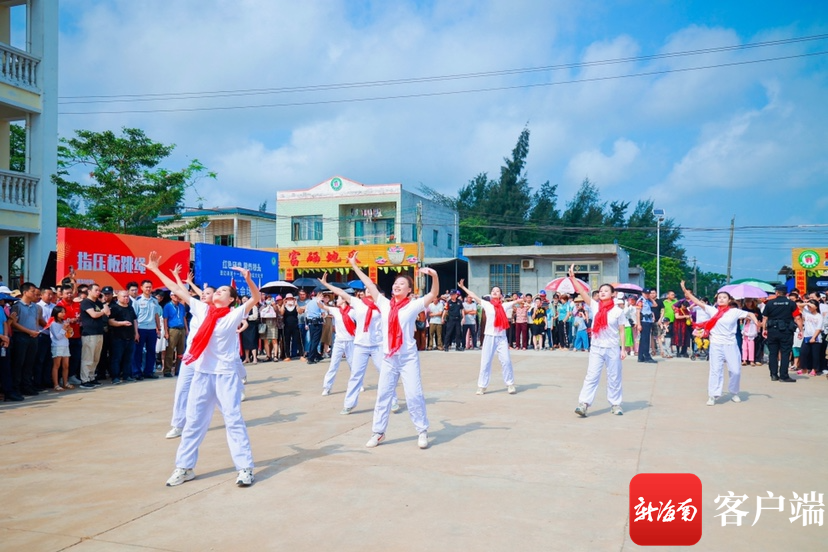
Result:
695,279
420,280
730,247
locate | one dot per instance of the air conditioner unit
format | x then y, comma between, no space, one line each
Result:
527,264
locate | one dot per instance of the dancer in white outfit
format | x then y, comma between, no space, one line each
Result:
217,381
401,359
185,372
605,348
345,330
497,322
723,348
367,345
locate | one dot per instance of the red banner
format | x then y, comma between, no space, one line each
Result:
114,260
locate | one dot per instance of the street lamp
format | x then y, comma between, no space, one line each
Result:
659,215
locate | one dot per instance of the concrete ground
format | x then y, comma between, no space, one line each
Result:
85,470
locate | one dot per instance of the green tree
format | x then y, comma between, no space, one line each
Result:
509,200
127,187
544,215
672,273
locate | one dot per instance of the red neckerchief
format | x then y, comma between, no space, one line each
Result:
371,307
501,322
395,336
202,336
349,323
600,321
708,326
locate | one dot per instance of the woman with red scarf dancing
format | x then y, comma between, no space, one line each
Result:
723,348
497,315
401,360
605,348
217,375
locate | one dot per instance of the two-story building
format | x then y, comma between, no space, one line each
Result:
233,226
390,229
28,100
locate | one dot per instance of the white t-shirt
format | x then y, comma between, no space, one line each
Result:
339,326
222,353
469,318
373,336
435,312
701,314
811,322
609,336
489,309
724,332
58,334
407,316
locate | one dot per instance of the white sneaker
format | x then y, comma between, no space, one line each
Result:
480,390
511,390
711,401
422,440
326,392
395,408
375,439
616,409
245,478
582,410
243,397
179,476
736,399
174,432
347,410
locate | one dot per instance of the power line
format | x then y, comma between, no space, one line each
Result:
445,93
165,96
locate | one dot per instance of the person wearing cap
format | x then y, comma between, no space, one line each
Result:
496,313
453,317
781,319
605,350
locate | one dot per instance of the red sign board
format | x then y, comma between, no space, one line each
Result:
114,260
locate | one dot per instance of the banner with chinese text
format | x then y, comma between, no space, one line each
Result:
110,259
397,255
213,266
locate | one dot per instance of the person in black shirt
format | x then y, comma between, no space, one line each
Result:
454,319
781,319
93,318
123,331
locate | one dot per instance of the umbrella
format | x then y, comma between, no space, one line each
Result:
306,283
564,285
7,297
743,291
761,284
356,284
278,287
628,288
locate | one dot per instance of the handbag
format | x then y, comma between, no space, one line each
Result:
262,329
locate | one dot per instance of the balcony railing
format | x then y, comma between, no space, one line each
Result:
18,189
18,68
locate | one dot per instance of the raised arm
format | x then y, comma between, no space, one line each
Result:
435,285
468,292
689,295
152,266
194,289
579,287
255,296
370,286
335,290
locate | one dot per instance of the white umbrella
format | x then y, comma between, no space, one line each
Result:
278,287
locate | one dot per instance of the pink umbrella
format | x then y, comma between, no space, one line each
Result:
743,291
628,288
564,285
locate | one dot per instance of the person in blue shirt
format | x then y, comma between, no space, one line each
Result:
175,332
313,318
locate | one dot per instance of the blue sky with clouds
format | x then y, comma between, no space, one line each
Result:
743,139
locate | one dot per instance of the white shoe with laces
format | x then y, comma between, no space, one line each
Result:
245,478
174,432
617,410
375,440
511,390
422,440
347,410
179,476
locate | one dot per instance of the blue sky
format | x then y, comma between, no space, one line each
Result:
746,140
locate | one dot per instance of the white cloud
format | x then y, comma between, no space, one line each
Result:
605,170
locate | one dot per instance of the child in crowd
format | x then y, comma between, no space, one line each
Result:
60,348
581,336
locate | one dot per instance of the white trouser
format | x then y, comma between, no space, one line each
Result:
499,344
340,347
407,367
182,390
719,354
598,358
90,355
206,392
361,355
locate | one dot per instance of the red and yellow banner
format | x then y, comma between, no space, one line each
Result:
114,260
397,255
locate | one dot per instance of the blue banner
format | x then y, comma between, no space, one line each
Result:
213,266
